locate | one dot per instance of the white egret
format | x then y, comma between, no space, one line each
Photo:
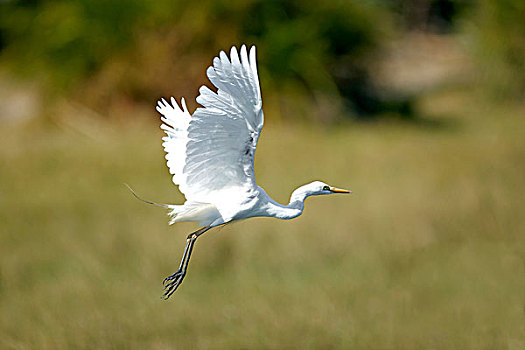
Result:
211,155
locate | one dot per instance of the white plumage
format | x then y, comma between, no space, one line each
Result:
211,153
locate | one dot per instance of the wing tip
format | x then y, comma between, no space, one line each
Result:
164,107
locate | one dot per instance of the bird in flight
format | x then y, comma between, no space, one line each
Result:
210,154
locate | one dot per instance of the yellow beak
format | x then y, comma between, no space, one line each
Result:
339,190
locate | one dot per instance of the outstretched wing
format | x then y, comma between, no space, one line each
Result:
214,149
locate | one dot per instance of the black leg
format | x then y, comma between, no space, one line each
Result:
172,282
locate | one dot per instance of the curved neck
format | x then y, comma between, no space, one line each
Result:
297,198
293,209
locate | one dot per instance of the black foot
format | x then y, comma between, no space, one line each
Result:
172,282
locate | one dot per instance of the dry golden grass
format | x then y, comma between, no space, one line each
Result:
428,254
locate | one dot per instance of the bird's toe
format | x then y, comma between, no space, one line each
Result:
171,283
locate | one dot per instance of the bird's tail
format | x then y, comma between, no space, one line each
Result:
204,213
177,213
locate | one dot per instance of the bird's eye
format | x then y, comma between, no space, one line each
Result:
326,188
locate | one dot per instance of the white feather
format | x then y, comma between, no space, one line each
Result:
211,153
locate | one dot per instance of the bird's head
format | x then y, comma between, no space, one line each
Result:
317,188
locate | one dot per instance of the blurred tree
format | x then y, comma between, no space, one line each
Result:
69,40
107,51
437,16
327,48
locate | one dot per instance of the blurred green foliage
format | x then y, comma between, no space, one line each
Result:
317,55
70,40
321,48
323,45
437,16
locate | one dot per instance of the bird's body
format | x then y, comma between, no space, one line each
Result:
211,154
236,205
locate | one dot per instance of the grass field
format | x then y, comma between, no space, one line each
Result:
428,253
